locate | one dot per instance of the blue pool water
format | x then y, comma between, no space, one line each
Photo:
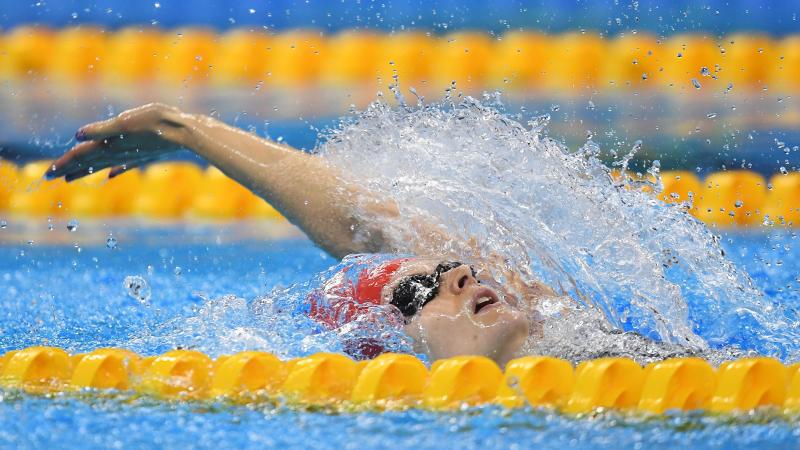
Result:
66,289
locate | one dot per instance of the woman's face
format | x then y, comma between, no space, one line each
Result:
464,318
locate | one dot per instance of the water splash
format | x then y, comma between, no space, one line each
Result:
137,289
557,216
281,322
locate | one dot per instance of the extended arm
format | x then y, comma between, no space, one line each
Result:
303,187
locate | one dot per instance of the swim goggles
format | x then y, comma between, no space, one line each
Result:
415,291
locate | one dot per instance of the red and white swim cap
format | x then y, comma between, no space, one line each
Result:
345,297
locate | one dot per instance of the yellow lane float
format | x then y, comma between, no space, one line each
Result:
247,374
37,369
749,383
184,374
9,179
691,63
792,401
27,53
295,58
576,62
408,55
634,62
105,368
189,55
679,187
614,383
461,58
680,383
782,203
520,60
132,55
35,197
786,73
747,60
392,381
352,57
735,197
536,381
323,378
79,54
246,58
471,380
182,190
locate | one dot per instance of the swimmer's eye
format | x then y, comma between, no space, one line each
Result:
415,291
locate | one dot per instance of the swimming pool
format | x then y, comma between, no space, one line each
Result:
682,89
65,288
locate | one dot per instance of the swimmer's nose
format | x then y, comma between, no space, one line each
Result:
457,279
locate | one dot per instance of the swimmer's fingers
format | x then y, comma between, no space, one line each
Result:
89,157
73,159
119,170
131,160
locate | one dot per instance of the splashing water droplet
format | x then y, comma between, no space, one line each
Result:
696,83
72,225
3,224
111,242
137,288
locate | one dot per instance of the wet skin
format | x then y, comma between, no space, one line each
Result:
465,318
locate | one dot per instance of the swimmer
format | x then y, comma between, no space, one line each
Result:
449,307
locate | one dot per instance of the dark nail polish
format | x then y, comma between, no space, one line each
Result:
80,135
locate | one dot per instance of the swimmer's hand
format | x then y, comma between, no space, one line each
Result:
308,191
133,138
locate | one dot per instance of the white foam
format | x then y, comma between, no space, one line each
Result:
557,216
